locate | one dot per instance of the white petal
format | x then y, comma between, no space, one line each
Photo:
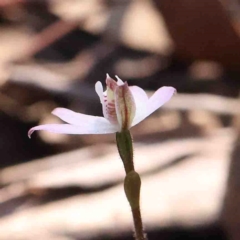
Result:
99,90
82,120
100,93
57,128
79,124
160,97
141,99
71,129
119,81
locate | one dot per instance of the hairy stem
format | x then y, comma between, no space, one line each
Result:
139,233
125,149
132,181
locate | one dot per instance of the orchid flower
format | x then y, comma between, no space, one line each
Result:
123,107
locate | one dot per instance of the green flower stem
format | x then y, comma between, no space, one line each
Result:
139,233
132,181
132,186
125,149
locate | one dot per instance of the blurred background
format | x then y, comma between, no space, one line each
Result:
66,187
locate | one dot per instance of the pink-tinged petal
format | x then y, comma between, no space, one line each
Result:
141,100
109,101
111,83
160,97
125,106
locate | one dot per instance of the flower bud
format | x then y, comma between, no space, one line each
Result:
132,186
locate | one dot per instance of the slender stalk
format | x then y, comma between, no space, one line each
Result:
132,181
125,149
139,233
